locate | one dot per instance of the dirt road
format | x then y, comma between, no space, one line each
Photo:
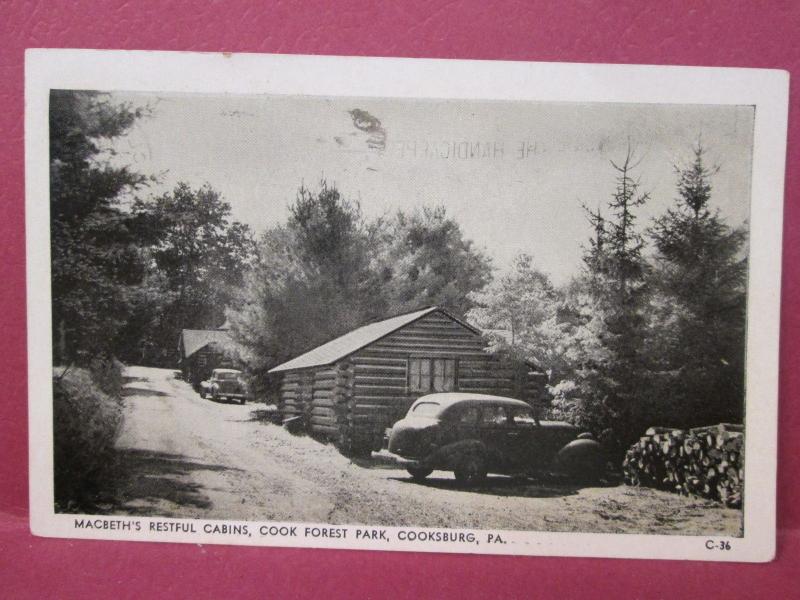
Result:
189,457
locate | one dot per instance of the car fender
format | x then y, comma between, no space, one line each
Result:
581,456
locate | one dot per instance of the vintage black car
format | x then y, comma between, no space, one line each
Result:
475,434
225,384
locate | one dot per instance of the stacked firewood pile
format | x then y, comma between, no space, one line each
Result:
705,461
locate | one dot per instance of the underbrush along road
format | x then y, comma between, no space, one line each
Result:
182,456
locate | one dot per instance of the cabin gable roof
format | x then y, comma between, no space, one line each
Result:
194,340
345,345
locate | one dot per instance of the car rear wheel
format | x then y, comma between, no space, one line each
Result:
419,473
471,471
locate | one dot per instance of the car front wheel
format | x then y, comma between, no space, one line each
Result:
418,473
471,471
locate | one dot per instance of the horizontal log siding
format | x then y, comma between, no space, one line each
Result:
322,415
355,400
380,394
296,394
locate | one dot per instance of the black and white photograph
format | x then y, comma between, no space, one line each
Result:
394,321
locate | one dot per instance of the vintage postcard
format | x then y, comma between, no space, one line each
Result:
395,304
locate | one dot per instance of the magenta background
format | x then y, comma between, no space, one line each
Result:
726,33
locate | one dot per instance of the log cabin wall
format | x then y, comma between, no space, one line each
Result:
323,396
296,395
382,391
287,399
323,418
354,400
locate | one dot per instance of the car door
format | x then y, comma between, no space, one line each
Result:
461,423
496,434
526,439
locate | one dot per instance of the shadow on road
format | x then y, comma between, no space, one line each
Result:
148,479
144,392
522,487
221,401
265,415
500,486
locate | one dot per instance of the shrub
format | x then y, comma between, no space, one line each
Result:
107,375
86,423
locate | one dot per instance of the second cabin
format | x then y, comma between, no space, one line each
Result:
352,388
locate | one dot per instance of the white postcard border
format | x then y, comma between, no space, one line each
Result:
220,73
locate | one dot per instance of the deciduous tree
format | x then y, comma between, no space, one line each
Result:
310,282
198,257
425,260
328,271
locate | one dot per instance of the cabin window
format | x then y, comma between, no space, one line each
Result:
431,374
419,375
444,374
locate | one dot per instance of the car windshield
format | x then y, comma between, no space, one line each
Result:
426,409
227,375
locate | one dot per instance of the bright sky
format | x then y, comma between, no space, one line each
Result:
514,174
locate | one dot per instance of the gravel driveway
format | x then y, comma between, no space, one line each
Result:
187,457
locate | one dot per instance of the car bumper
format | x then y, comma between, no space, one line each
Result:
400,461
230,395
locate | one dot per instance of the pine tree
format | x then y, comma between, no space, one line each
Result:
606,322
701,268
96,260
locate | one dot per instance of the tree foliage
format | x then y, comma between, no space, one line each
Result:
328,270
521,315
605,319
698,325
657,342
644,336
424,260
96,263
308,284
636,340
197,257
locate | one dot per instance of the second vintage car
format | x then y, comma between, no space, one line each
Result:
224,384
476,434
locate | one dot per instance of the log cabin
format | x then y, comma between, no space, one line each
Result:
350,389
200,351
